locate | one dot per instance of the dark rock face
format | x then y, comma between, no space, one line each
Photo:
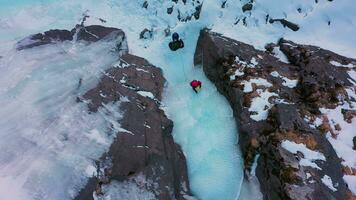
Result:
147,146
92,33
44,38
278,170
247,7
143,152
286,23
95,33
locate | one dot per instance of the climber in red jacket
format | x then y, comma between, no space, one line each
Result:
196,85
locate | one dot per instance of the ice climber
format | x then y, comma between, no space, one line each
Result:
176,42
196,85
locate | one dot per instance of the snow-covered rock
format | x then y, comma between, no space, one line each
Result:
271,101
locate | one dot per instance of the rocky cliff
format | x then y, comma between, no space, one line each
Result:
144,149
279,108
143,160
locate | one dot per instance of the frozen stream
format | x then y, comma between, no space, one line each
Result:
203,123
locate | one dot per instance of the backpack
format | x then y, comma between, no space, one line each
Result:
175,45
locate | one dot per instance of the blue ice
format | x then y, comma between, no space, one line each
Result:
203,123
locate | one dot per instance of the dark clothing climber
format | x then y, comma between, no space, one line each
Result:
176,43
196,85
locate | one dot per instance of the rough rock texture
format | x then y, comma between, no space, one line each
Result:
286,23
231,65
92,33
187,17
145,146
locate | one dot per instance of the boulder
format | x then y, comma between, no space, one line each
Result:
92,33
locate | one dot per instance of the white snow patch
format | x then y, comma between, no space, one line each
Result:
91,171
343,143
351,182
135,188
328,182
280,55
308,175
257,81
352,74
337,64
254,165
142,70
260,105
146,94
254,62
286,81
238,72
97,136
309,155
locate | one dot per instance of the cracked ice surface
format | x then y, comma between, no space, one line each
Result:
48,140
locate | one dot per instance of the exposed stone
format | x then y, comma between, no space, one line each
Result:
247,7
149,147
286,23
80,33
318,82
44,38
146,34
144,145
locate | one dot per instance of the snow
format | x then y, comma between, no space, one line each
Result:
309,155
286,81
351,181
146,94
253,61
352,74
337,64
260,105
254,165
238,72
257,81
43,129
280,55
33,103
343,144
135,188
313,22
213,158
91,171
328,182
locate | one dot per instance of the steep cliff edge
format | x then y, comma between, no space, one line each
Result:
143,162
280,111
144,152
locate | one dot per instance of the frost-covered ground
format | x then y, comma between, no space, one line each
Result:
33,106
48,141
311,17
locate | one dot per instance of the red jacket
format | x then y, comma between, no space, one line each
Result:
195,83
